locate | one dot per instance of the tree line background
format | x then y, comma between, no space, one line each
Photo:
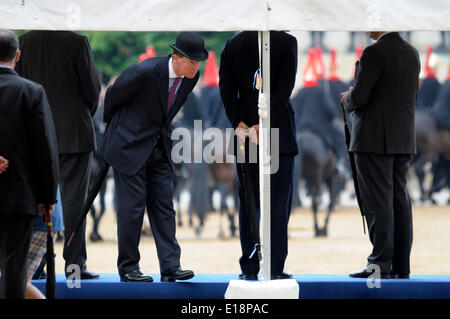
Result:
114,51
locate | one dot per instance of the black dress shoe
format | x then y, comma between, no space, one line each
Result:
366,273
283,275
248,277
135,276
394,275
87,274
176,273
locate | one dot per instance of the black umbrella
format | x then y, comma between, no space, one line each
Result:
351,155
93,192
51,281
249,196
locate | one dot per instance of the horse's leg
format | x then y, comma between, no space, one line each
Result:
199,228
200,213
94,234
447,178
102,210
179,212
179,216
420,173
221,232
339,187
190,201
233,211
189,209
296,201
315,208
438,170
300,175
332,189
201,210
230,211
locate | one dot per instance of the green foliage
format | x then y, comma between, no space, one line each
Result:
114,51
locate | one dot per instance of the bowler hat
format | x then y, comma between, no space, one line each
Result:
191,45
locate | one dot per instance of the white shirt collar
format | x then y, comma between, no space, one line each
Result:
384,34
5,66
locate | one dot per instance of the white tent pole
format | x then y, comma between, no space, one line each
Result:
264,154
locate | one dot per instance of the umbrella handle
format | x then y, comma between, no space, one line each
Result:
48,219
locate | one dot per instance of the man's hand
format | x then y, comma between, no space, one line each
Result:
253,133
3,164
241,131
344,96
42,210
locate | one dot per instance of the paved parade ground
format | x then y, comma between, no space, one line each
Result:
344,250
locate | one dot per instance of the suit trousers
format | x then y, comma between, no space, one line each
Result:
281,190
387,208
152,188
75,170
15,235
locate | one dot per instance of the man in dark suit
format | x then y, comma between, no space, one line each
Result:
239,62
140,107
383,140
63,63
29,176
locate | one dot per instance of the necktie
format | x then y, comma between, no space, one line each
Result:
172,92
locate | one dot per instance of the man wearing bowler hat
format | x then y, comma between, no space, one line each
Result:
137,144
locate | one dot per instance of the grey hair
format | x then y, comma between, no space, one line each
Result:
9,44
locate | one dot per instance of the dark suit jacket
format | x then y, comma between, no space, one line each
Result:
136,106
63,63
384,97
28,142
238,64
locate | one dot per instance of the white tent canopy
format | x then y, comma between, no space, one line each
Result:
230,15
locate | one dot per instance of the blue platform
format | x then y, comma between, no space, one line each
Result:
213,286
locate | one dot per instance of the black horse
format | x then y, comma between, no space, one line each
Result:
223,178
201,179
318,166
433,145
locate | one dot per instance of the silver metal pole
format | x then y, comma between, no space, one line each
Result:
264,155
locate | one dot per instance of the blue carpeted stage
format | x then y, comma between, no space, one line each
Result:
213,286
